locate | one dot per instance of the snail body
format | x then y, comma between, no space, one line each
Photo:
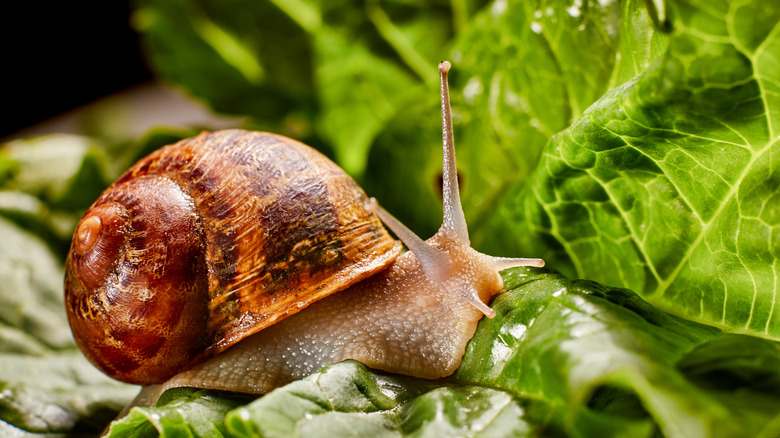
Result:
269,264
399,320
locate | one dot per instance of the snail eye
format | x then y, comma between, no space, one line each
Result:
87,234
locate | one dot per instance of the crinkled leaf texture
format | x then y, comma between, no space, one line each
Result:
668,185
561,357
585,348
58,392
348,400
181,412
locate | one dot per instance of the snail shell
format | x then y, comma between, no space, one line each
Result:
208,241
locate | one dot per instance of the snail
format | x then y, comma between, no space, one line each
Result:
241,261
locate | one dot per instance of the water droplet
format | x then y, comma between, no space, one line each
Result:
518,330
536,27
611,30
472,89
501,353
457,56
513,100
498,8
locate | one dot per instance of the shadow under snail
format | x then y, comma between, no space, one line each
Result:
241,261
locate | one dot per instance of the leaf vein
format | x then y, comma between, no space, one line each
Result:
664,286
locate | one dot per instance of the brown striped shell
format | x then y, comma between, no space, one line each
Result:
209,240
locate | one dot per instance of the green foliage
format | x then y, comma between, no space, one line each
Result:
347,399
328,73
180,412
634,148
46,384
668,184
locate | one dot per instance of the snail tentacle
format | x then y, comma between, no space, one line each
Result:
501,263
435,264
454,222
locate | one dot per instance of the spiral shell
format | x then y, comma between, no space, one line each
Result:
209,240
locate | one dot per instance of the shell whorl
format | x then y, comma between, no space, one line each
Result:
271,224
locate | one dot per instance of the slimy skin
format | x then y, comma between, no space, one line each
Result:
399,321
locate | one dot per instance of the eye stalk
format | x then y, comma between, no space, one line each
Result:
447,258
87,234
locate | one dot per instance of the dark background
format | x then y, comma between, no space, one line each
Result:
60,55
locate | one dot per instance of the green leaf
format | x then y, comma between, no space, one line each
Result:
63,170
328,74
32,312
359,93
48,180
180,412
668,184
247,58
347,399
30,213
46,386
348,387
743,374
579,345
57,393
533,68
